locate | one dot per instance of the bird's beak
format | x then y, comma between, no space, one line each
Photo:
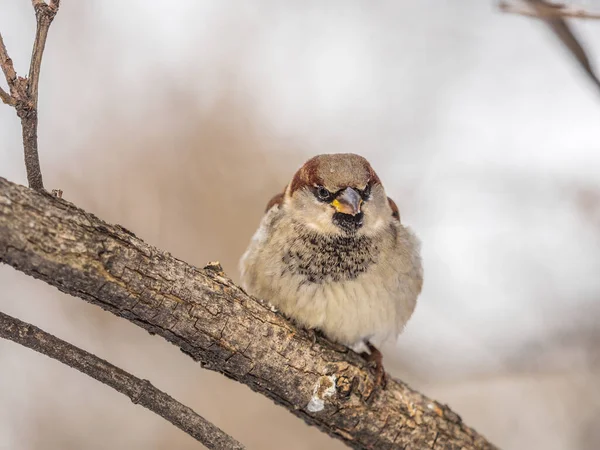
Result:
348,202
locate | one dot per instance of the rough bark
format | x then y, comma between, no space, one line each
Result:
209,318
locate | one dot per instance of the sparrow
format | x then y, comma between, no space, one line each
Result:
331,254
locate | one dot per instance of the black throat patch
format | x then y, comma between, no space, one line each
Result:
324,259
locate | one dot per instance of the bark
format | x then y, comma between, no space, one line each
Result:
212,320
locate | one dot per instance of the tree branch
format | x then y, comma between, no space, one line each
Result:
141,392
553,15
7,66
6,98
548,10
24,91
209,318
44,14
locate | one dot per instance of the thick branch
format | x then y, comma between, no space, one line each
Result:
203,313
141,392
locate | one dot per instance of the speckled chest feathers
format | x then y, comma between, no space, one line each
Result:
332,254
322,258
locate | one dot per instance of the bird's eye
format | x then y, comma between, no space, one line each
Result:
322,193
366,192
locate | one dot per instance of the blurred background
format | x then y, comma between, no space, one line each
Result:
179,120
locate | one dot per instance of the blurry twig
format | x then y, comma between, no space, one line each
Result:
24,91
553,15
548,10
141,392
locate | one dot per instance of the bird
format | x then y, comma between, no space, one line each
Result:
332,254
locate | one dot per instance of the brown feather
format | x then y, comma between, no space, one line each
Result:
306,176
276,200
395,211
335,171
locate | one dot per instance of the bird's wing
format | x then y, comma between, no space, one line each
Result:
395,211
275,201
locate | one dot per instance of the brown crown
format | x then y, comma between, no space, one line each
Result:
334,172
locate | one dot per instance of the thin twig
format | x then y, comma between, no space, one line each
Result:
44,14
141,392
29,123
7,65
549,10
9,73
554,16
6,97
24,91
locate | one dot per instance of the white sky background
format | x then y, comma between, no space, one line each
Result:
480,125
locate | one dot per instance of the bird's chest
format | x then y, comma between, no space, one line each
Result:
319,259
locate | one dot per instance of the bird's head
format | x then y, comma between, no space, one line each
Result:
339,194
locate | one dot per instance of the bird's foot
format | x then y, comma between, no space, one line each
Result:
375,360
312,334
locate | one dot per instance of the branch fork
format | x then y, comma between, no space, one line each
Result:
23,94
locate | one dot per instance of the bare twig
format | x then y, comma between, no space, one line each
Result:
24,91
212,320
7,66
6,98
29,123
44,14
554,16
548,10
141,392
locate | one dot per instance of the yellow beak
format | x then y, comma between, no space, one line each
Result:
348,202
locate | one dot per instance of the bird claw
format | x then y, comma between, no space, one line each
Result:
312,334
375,362
313,337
